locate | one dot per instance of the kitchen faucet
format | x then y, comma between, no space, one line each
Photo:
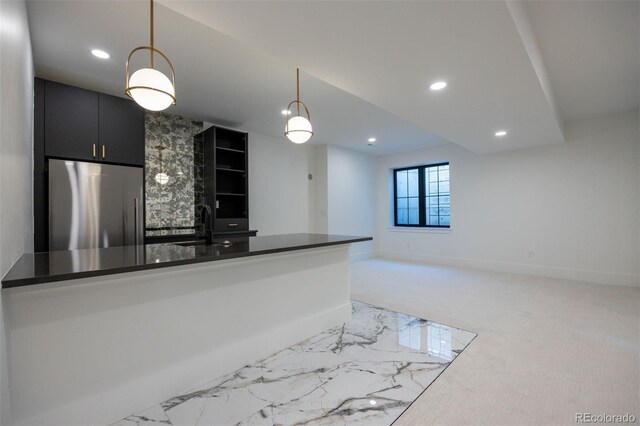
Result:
206,219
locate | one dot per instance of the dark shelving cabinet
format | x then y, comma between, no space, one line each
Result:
226,179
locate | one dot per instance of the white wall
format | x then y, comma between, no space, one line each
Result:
351,197
16,118
318,206
339,199
567,211
279,202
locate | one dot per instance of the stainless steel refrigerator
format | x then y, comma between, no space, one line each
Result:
94,205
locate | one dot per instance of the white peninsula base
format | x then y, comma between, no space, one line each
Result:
93,350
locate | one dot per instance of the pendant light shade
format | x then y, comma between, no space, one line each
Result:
162,178
150,88
298,128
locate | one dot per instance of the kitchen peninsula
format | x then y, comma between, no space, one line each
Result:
142,323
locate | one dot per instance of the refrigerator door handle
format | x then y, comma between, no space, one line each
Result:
135,221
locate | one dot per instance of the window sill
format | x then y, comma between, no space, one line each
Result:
419,230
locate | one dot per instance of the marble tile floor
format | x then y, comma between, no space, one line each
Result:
367,371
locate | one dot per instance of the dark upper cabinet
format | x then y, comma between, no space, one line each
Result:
81,124
70,122
121,131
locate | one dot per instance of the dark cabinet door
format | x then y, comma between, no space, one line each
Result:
70,122
121,131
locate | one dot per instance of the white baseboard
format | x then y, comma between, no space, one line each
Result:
599,277
357,257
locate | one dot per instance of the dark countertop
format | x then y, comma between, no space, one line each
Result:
38,268
168,236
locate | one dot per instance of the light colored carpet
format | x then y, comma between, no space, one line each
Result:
546,349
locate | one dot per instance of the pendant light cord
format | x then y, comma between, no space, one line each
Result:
298,89
160,148
151,32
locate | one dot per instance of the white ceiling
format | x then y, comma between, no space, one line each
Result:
591,51
367,65
218,79
388,52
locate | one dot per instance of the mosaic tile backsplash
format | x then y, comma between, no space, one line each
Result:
172,204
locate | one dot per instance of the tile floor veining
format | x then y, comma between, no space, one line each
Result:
367,371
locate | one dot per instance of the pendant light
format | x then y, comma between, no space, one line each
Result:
162,178
150,88
298,128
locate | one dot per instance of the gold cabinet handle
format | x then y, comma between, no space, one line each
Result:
104,152
94,151
233,225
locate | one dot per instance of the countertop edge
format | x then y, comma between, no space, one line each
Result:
23,282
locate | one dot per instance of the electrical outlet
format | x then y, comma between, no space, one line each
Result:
531,253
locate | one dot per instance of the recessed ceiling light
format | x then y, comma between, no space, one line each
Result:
100,54
372,139
285,112
500,133
438,85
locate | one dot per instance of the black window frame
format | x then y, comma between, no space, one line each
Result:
422,196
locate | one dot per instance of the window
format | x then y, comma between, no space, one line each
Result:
421,196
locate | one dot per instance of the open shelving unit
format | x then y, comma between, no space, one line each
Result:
226,187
